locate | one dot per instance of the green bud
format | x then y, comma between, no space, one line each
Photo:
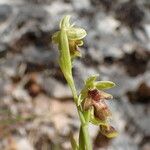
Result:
76,33
64,23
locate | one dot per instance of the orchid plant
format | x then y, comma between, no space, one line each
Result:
90,102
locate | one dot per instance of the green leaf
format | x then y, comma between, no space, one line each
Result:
102,85
73,142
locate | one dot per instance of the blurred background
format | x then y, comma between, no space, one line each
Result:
36,107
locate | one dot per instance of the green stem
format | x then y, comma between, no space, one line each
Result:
86,137
84,124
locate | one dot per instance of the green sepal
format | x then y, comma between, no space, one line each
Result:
102,85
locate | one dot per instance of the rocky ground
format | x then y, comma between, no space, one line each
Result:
36,108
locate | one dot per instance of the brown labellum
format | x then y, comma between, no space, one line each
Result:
101,110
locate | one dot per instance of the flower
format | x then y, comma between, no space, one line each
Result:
101,110
74,36
96,99
74,48
108,131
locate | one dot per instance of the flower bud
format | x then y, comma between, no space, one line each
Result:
108,131
76,33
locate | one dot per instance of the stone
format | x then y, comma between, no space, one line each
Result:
56,89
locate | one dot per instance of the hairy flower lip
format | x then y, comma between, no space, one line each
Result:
101,110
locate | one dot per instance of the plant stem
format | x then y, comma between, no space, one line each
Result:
86,137
84,124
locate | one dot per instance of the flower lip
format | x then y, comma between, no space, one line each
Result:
101,110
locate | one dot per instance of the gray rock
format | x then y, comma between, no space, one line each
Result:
5,12
123,142
56,89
